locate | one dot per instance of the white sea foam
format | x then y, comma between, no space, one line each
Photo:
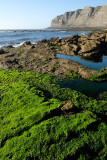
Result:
83,33
17,45
62,31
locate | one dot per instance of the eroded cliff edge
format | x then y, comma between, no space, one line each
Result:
89,17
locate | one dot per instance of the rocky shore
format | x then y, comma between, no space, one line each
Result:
40,120
41,56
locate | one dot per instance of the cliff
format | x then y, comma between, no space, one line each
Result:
93,17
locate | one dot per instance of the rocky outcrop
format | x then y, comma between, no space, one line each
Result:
41,56
92,46
89,17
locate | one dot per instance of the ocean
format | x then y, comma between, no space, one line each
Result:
17,37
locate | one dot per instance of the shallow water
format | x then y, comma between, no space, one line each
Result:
85,62
91,89
16,37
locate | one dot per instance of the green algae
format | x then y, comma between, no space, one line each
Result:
32,125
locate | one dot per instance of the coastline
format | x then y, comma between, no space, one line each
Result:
40,118
98,29
20,36
89,47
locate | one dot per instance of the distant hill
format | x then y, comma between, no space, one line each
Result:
93,17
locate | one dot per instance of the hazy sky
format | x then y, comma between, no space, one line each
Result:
36,14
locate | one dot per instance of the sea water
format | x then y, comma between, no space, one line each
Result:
93,64
17,37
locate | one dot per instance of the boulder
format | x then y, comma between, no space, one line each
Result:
68,106
90,48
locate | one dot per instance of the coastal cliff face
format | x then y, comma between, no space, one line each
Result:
95,17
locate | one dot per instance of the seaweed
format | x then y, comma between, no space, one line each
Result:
32,125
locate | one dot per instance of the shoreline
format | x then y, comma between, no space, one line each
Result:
41,56
33,35
54,29
80,29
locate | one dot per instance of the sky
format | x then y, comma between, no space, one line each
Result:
38,14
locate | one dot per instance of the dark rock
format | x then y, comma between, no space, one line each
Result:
2,51
9,46
44,41
27,43
32,47
14,61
